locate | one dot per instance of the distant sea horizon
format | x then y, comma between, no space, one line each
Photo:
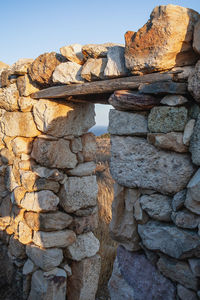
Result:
99,129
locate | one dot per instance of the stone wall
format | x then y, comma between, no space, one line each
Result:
48,188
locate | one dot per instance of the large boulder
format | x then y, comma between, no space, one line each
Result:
164,42
136,163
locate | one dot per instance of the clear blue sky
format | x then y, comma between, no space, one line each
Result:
32,27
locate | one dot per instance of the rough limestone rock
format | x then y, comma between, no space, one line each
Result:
195,266
185,219
40,201
86,245
195,143
16,248
97,50
21,66
53,154
73,53
9,98
196,38
136,163
194,83
51,174
185,294
68,73
89,146
42,68
116,63
19,124
163,42
62,119
163,237
170,141
78,193
84,169
48,285
123,226
127,123
174,100
46,259
25,233
179,200
188,131
157,206
62,238
178,271
25,86
84,224
192,201
142,279
21,145
84,280
93,69
47,221
166,119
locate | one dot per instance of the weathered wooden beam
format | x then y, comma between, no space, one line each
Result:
100,87
91,98
130,100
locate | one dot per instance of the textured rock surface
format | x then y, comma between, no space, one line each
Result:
84,224
170,141
195,143
42,68
96,50
48,285
192,198
25,86
53,154
84,280
93,69
163,237
46,259
157,206
88,146
84,169
19,124
60,239
185,294
178,200
150,168
25,233
73,53
174,100
116,63
86,245
178,271
185,219
62,119
127,123
123,226
166,119
68,73
21,145
154,49
194,83
142,280
78,193
40,201
9,98
188,131
195,266
196,38
21,66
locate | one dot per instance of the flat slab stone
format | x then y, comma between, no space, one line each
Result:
163,237
62,238
136,163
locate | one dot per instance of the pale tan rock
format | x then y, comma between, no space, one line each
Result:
96,50
52,174
53,154
9,98
163,42
84,224
86,245
16,248
25,233
26,103
61,119
188,131
22,145
7,140
84,280
19,124
123,226
89,146
21,66
40,201
59,239
46,259
42,68
93,69
68,73
196,38
10,180
25,86
18,194
7,156
48,221
78,193
48,285
73,53
84,169
170,141
115,66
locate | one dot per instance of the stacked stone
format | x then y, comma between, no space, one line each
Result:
48,206
155,159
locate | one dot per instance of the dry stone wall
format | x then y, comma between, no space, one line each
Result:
48,208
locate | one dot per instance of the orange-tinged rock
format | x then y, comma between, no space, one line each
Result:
164,42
